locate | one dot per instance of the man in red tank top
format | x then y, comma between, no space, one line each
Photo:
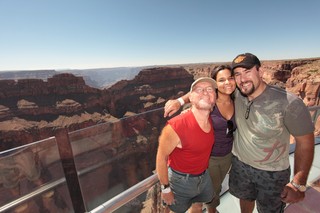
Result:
184,150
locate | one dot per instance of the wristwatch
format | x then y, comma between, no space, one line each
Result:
164,186
301,188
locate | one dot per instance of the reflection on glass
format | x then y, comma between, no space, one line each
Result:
147,202
26,173
112,157
109,157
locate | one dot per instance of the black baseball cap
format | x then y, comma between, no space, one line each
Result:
246,60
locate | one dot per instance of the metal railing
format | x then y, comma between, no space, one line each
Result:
126,196
102,138
136,190
110,205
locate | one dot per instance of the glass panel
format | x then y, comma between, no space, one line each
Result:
147,202
33,174
114,156
316,120
109,157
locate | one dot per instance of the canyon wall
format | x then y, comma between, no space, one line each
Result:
300,76
31,109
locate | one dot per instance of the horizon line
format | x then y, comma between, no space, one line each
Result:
160,65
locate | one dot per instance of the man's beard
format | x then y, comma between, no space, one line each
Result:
246,91
204,105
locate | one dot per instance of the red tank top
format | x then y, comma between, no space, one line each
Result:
193,157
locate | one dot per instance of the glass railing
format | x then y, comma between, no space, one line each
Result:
32,179
78,171
108,167
112,157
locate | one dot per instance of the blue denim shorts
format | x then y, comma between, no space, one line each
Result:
249,183
189,189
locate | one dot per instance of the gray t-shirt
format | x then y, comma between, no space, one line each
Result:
263,139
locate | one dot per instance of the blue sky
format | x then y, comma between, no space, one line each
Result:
80,34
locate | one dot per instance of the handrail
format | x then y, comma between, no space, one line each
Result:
110,205
131,193
127,195
37,192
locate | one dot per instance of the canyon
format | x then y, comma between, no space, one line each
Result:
32,109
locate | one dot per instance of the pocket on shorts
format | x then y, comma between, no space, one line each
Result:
175,178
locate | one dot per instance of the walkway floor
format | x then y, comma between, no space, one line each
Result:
311,203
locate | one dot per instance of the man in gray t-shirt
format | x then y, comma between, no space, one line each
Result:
265,117
262,140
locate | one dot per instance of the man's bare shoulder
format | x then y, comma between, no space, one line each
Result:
169,136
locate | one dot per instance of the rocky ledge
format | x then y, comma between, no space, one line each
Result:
31,109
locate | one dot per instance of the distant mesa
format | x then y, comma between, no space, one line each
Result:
32,109
35,103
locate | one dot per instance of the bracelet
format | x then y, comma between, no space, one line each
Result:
166,190
181,101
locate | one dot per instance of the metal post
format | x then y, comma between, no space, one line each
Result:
70,171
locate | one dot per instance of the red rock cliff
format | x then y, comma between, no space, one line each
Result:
30,109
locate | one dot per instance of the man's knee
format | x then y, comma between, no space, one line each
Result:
246,206
196,207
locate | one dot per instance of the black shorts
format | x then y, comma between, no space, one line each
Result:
249,183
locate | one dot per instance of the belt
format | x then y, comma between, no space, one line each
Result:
189,175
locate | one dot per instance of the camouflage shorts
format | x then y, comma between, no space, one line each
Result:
249,183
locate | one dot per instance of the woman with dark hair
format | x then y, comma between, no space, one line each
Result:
224,125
